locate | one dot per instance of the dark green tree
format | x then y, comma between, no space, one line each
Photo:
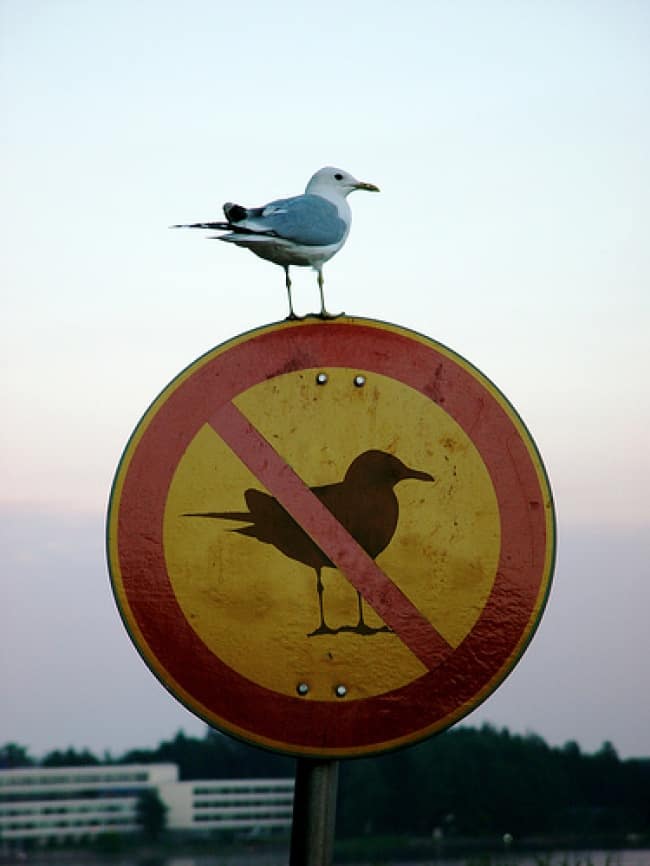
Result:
215,756
70,758
12,756
465,782
151,814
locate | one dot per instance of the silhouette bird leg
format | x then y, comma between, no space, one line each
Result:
323,628
362,626
287,281
362,622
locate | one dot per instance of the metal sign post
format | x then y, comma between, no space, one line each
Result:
314,812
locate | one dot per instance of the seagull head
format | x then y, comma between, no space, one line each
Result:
330,182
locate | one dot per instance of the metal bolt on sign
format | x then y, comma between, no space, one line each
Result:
330,572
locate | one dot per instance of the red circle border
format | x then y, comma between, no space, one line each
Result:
227,699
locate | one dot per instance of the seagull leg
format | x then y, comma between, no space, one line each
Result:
323,312
287,281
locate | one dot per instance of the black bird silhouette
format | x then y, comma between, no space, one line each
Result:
364,503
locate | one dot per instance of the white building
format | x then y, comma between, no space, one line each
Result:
230,804
71,803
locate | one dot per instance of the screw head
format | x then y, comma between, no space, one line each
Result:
302,688
321,378
340,691
359,381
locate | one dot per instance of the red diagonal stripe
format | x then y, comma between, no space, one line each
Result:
396,610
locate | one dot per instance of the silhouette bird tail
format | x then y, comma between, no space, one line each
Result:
221,515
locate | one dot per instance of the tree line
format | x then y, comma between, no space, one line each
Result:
466,782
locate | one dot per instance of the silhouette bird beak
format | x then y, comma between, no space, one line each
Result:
369,187
421,476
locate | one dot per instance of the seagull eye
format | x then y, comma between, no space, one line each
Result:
338,177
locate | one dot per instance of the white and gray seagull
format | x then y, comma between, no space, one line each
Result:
305,230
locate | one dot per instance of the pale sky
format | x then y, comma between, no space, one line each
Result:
510,142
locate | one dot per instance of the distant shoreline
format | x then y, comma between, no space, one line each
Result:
406,851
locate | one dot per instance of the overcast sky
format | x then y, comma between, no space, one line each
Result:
510,142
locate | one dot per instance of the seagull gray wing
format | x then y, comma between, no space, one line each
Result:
310,220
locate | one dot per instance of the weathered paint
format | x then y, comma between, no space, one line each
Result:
229,624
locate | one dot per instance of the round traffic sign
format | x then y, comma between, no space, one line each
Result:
331,538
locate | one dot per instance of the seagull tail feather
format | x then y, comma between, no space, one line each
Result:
236,231
218,225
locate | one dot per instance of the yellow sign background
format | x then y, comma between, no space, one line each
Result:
254,607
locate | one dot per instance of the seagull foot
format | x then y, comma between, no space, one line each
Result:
292,317
324,314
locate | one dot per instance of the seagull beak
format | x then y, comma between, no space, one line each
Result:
369,187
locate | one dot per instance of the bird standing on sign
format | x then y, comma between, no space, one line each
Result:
364,503
305,230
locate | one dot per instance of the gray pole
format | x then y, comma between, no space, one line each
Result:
314,812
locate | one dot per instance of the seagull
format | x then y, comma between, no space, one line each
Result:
305,230
364,503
